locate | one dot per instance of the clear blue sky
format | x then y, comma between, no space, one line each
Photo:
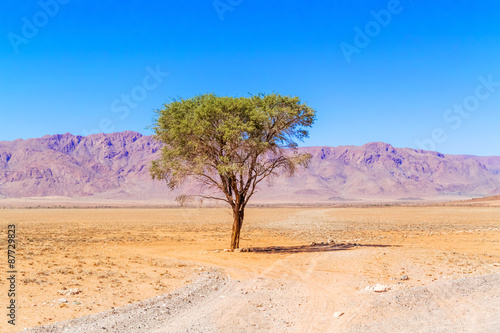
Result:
70,67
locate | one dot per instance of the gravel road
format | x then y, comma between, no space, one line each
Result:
217,303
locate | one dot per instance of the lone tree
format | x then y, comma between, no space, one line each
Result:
230,144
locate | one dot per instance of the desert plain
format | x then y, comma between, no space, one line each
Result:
422,268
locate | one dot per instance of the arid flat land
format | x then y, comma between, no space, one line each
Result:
98,259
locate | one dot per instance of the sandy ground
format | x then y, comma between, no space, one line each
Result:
477,202
440,265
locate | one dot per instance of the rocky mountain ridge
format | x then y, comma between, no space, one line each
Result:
116,166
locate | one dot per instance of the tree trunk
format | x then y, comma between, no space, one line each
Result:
237,222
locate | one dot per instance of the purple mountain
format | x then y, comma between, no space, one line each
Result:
116,166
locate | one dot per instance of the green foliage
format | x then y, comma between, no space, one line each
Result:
230,143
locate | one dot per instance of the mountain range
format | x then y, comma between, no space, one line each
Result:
116,166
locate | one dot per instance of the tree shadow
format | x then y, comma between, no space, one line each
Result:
314,248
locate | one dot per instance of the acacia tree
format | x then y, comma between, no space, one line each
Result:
230,144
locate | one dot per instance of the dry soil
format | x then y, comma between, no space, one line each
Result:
439,265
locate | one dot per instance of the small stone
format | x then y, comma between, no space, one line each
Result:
63,305
404,278
378,288
331,241
75,291
237,250
63,300
227,250
76,303
337,314
312,243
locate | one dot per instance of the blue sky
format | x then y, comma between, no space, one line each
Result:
411,73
